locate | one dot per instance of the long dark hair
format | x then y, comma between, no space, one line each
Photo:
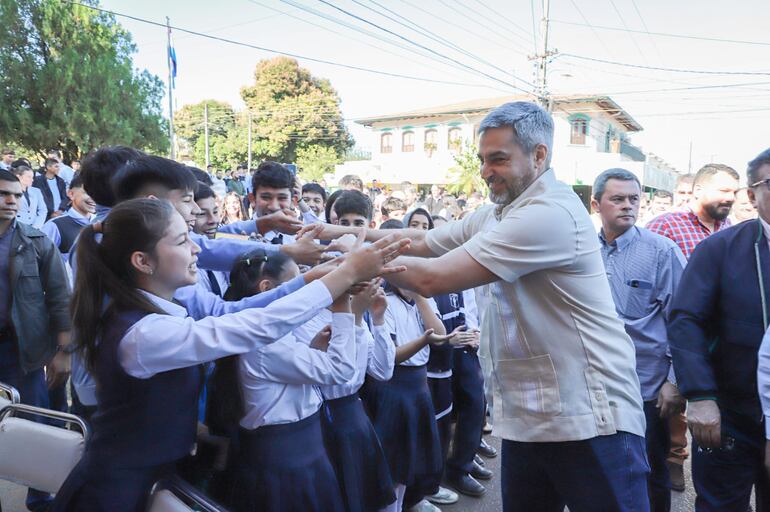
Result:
106,276
225,400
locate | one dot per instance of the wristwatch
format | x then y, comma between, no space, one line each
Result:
67,349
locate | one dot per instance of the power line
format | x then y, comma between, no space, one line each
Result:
665,34
365,32
486,26
646,29
270,50
693,88
363,20
534,29
671,70
500,15
588,24
431,35
623,22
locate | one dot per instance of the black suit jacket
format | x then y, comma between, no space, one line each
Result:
41,183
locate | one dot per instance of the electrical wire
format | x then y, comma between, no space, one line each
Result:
270,50
471,17
623,22
588,24
506,18
671,70
388,31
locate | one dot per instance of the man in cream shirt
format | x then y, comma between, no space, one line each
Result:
567,399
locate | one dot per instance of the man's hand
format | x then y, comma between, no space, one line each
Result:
705,423
58,370
670,402
321,339
343,244
304,250
282,221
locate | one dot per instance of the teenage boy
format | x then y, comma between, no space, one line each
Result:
206,224
354,209
53,188
64,230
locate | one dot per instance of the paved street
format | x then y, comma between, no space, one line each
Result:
12,496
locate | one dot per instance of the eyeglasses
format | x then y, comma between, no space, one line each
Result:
765,182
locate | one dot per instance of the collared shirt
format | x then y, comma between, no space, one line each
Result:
375,353
222,253
684,228
404,324
644,269
51,229
32,209
66,173
221,281
159,343
53,186
564,366
279,380
6,296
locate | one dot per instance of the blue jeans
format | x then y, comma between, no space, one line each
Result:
32,391
602,474
723,477
658,441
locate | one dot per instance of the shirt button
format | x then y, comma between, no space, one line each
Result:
598,396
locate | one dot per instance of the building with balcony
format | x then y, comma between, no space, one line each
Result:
592,133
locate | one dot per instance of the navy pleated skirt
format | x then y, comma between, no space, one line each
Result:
356,455
403,416
96,485
285,468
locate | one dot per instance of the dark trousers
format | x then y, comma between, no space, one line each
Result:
32,391
658,440
723,477
469,408
602,474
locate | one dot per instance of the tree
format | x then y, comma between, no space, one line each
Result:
189,120
292,109
466,175
68,81
315,161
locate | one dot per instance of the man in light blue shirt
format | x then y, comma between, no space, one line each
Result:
32,209
643,270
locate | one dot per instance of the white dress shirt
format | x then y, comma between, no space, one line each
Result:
279,380
159,343
404,324
375,354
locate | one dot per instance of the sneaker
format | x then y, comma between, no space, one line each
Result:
444,496
425,506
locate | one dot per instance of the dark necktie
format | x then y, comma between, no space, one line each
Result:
214,283
26,196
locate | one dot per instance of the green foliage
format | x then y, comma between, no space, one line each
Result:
465,176
68,81
315,161
295,117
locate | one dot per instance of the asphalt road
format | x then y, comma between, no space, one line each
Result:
12,496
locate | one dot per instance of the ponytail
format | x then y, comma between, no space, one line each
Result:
106,280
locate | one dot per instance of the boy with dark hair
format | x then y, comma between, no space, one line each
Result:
314,196
206,224
98,170
64,230
353,209
53,188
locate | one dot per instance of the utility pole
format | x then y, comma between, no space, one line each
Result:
541,80
170,89
206,130
249,165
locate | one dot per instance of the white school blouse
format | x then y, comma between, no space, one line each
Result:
404,324
375,354
279,381
159,343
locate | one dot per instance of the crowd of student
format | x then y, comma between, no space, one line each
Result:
273,344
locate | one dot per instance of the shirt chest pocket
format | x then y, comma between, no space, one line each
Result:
28,285
528,386
637,298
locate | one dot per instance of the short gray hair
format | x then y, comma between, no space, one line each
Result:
753,170
530,123
612,174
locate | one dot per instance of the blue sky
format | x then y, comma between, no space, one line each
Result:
726,124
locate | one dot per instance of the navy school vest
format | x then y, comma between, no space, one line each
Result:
69,229
452,310
141,422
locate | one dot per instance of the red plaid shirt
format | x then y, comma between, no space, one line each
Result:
684,228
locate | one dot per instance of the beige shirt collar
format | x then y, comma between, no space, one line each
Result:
545,179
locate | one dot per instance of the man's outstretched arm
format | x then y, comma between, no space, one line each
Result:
452,272
418,246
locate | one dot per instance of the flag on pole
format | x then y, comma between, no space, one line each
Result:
172,59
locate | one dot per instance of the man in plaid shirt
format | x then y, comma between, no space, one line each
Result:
713,194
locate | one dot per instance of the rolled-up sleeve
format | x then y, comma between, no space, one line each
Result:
533,237
454,234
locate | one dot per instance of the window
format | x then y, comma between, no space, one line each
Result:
578,131
407,142
431,142
386,143
454,137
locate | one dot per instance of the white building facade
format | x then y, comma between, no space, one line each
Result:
591,135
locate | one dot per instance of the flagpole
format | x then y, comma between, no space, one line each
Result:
170,90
